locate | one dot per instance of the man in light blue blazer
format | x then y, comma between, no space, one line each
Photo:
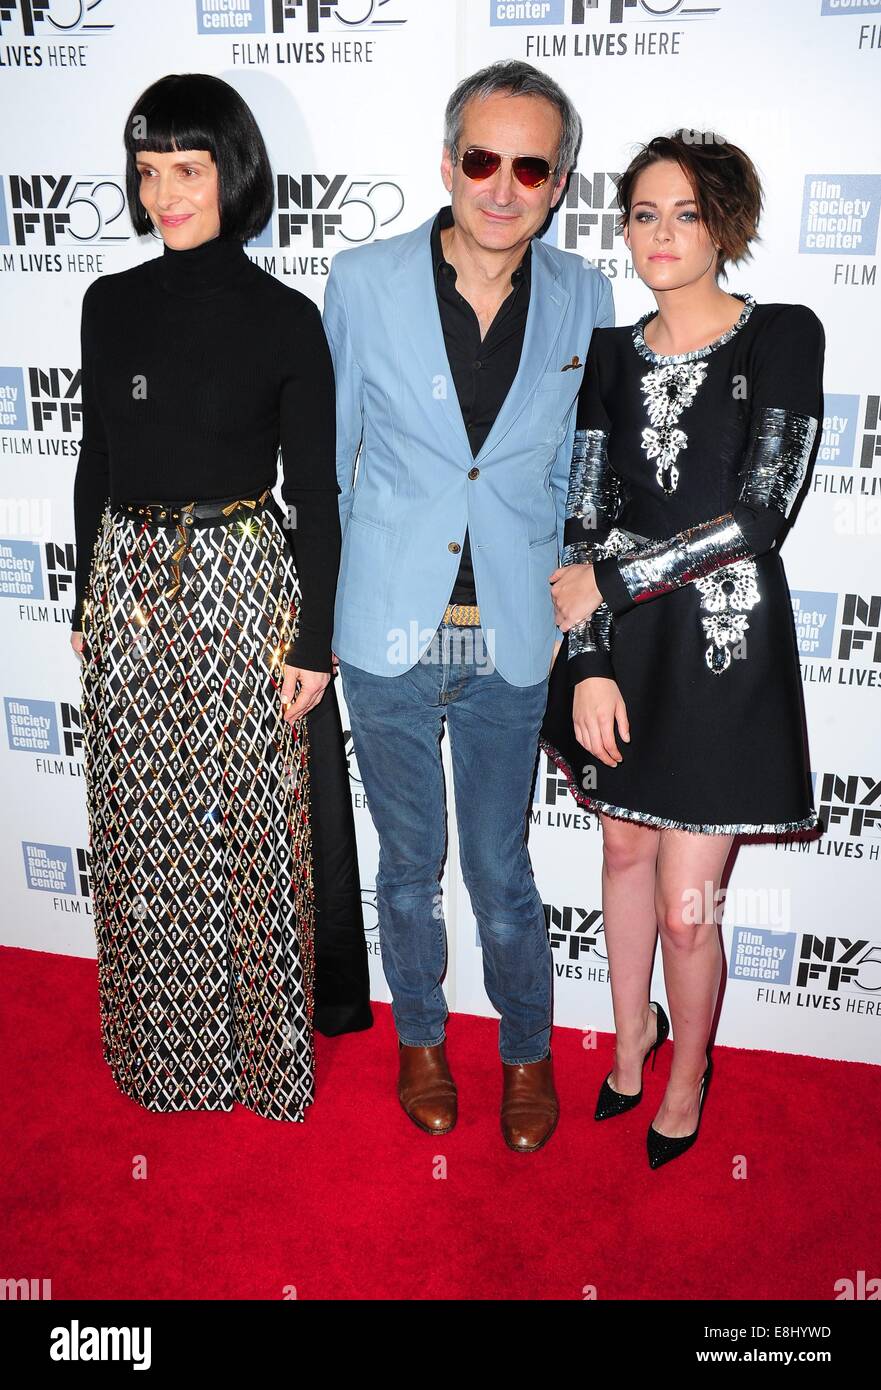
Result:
459,351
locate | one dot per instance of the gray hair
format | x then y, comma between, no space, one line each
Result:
520,80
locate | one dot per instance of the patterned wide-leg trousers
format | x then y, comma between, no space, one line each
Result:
198,806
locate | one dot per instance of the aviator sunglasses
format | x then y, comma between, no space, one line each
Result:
530,170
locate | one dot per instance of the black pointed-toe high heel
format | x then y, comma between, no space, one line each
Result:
611,1102
663,1147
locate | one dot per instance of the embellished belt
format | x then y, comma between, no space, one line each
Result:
184,516
188,513
462,614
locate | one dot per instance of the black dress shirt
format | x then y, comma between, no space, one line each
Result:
483,369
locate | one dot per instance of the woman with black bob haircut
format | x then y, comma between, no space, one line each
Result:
200,112
675,707
220,822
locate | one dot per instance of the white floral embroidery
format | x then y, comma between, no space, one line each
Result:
725,595
667,391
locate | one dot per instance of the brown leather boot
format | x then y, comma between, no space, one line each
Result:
426,1089
530,1109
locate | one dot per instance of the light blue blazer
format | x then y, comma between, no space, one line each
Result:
405,512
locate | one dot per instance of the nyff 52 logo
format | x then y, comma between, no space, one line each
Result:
59,209
55,19
316,208
848,804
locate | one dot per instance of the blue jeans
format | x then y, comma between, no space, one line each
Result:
493,726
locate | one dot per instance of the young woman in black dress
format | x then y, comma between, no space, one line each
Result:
675,705
215,771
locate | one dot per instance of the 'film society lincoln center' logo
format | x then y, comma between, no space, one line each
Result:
42,399
840,218
825,965
600,28
843,630
239,17
522,12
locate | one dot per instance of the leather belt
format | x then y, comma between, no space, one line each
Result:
462,614
187,513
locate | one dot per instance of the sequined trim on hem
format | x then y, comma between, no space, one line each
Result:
663,822
645,351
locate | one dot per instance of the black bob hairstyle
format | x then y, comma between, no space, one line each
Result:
194,111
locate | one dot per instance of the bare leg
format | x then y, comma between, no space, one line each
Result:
689,871
630,853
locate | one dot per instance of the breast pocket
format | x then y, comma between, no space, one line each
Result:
552,400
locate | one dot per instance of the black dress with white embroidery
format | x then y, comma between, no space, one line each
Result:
685,470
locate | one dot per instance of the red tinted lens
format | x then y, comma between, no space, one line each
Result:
480,164
532,172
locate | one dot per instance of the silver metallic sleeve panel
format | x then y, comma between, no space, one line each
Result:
595,492
594,633
595,497
777,459
692,554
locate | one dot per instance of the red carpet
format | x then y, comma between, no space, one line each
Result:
347,1204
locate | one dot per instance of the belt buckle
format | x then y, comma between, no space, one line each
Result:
463,614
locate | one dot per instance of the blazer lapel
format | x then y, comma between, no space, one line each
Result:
548,301
421,334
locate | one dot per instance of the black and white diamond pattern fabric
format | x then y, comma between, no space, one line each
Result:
198,803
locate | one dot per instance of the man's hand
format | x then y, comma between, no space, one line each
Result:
575,595
596,708
312,686
557,646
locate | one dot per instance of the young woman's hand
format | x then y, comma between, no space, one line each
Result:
596,708
575,595
76,641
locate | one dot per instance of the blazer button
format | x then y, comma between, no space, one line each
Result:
455,547
473,472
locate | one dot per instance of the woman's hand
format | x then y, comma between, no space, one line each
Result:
596,708
312,684
575,595
76,641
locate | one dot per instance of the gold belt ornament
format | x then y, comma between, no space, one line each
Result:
463,614
184,531
184,527
245,502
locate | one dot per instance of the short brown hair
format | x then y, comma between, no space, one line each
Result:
726,187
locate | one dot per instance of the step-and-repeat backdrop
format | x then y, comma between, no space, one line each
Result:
350,97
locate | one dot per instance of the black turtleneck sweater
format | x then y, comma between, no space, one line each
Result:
196,367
